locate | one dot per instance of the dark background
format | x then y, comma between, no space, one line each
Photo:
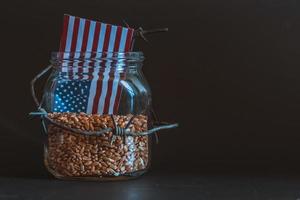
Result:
227,72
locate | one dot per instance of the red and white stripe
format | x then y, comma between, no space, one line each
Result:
83,35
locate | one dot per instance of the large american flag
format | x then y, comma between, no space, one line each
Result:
101,92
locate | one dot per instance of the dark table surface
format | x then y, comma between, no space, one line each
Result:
159,185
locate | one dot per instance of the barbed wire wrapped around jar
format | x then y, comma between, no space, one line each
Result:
118,131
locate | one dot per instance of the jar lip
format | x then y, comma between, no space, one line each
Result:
79,55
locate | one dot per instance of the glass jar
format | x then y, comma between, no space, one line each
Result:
89,92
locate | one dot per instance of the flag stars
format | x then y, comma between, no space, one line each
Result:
71,96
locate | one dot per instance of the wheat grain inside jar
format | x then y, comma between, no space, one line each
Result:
97,95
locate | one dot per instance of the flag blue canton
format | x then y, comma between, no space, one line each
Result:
71,96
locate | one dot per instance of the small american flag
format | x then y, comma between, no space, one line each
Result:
101,93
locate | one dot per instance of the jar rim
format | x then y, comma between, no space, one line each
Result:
79,55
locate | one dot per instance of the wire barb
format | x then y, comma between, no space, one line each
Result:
140,32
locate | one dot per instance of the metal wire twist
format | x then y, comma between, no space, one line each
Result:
117,131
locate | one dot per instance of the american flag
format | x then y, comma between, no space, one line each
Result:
101,93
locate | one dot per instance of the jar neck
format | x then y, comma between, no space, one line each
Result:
97,59
90,64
